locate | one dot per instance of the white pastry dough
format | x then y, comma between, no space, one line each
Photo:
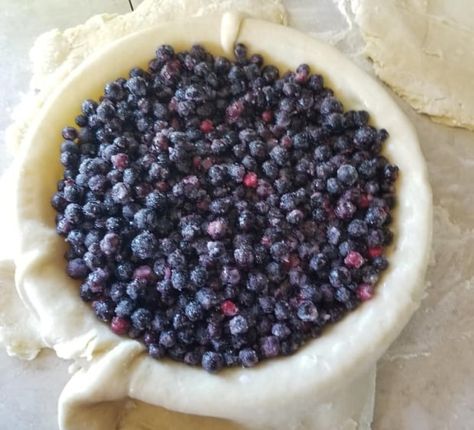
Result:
326,382
279,394
17,326
424,50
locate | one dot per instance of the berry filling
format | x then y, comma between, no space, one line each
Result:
220,213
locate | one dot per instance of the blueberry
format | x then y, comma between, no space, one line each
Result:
318,262
144,245
244,256
249,163
230,275
246,220
330,105
345,209
364,136
177,260
121,193
217,174
347,174
257,149
238,325
103,309
339,276
236,172
110,244
212,361
282,310
117,291
167,338
199,276
137,86
307,311
77,268
376,216
248,357
280,251
333,235
125,308
288,202
279,155
257,282
136,290
193,311
73,213
295,217
333,186
165,53
269,346
274,272
207,298
357,228
179,280
156,351
380,263
280,330
342,295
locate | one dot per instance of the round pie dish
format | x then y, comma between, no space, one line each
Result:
279,393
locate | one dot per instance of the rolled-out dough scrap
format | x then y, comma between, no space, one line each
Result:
424,50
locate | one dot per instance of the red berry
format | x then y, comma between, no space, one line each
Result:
364,201
207,163
162,186
143,273
375,252
120,325
291,261
251,180
267,115
202,205
365,292
234,111
173,104
175,123
354,259
294,260
161,142
206,126
228,308
197,162
286,142
120,161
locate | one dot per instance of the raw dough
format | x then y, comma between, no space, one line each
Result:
17,326
246,397
424,50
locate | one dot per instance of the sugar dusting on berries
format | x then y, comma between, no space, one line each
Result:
221,213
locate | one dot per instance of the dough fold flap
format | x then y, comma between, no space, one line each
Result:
294,392
106,396
427,56
18,327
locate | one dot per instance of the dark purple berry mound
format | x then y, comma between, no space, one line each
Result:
221,213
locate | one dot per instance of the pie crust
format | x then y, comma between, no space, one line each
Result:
281,393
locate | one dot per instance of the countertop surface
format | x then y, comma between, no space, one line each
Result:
426,379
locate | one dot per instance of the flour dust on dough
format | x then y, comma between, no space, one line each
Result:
423,49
